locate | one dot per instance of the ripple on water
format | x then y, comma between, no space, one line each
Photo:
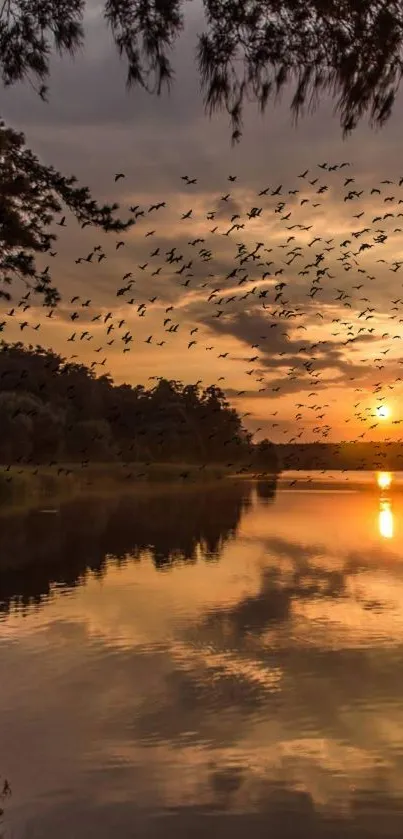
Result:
235,670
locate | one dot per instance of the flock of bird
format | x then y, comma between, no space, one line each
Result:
306,278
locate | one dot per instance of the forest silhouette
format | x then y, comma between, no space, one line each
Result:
54,411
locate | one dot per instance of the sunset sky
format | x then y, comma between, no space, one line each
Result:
94,128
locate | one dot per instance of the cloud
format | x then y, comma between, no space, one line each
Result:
254,328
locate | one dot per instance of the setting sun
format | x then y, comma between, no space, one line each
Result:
384,480
382,411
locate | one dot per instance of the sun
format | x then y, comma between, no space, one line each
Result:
383,412
384,480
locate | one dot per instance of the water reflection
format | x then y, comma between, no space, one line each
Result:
386,524
385,515
266,490
177,696
38,550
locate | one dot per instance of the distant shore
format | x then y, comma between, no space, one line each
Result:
22,483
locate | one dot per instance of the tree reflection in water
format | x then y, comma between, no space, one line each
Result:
38,550
266,490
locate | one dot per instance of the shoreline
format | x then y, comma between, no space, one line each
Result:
34,484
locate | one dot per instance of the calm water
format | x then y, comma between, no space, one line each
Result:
224,660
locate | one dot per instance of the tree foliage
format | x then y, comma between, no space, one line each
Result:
248,49
350,49
31,194
51,409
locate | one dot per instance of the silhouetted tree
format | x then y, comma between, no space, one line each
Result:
266,457
248,49
16,426
90,439
51,408
31,195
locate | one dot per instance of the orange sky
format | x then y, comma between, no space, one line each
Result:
155,145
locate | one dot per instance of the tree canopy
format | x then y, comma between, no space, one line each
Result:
31,194
54,410
248,49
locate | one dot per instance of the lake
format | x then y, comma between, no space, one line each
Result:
226,659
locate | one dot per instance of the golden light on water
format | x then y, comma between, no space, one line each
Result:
385,520
384,480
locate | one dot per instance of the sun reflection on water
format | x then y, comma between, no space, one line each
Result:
385,519
385,515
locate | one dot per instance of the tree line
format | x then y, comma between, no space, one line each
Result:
387,455
54,410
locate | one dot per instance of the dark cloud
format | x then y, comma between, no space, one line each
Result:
253,327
